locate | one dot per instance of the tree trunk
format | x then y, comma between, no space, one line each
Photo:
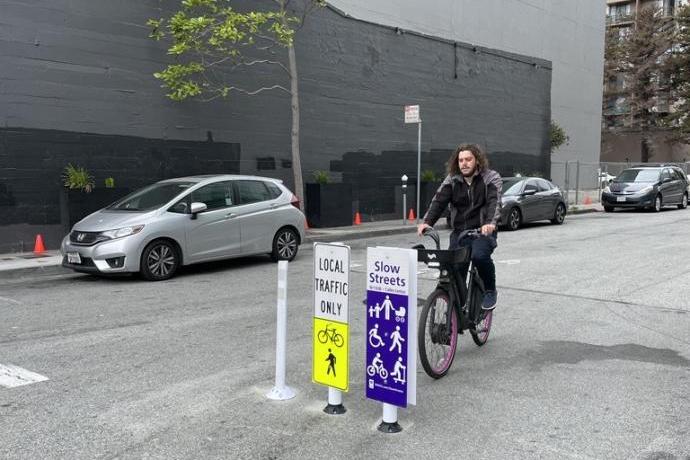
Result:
296,162
646,147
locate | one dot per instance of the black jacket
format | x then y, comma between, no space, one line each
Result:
472,205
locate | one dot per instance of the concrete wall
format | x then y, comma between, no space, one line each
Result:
569,33
77,86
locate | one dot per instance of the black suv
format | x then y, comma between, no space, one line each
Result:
647,187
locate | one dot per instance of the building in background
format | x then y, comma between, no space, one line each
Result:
78,88
620,140
569,34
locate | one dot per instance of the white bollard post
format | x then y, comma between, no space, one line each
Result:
389,424
281,391
335,402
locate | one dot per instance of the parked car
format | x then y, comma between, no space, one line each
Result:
187,220
647,188
530,199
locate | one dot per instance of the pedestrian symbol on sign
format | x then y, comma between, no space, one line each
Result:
331,362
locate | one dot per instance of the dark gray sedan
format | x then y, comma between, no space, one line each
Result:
529,199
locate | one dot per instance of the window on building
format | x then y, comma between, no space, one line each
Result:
264,163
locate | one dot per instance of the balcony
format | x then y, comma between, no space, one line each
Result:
619,19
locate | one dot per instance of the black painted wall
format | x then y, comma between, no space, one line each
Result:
77,87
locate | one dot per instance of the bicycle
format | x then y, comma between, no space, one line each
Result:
454,306
379,369
331,334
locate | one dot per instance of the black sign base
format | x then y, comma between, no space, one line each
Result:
334,409
386,427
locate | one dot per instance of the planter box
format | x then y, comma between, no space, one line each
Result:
75,205
427,190
329,205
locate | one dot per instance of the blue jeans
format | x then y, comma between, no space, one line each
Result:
482,248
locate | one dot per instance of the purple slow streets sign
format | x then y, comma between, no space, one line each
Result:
391,358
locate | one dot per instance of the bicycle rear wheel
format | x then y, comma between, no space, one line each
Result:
437,341
481,333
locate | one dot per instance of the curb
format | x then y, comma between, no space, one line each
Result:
584,211
14,274
355,235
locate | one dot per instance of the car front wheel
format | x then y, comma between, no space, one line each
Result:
285,244
159,261
657,204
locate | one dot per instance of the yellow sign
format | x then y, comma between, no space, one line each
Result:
330,357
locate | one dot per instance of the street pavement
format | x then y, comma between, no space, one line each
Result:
589,357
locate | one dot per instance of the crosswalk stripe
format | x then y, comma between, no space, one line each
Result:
14,376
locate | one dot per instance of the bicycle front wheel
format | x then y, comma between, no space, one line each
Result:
437,338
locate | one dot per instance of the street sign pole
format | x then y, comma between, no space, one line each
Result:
419,163
412,116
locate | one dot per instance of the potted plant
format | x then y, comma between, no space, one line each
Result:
429,183
328,204
80,196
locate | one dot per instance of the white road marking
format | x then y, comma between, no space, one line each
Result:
509,261
6,299
15,376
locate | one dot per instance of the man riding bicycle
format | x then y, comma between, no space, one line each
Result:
474,193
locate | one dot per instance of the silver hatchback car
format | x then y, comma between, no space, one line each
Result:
187,220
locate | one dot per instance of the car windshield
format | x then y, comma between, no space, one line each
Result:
638,175
511,186
151,197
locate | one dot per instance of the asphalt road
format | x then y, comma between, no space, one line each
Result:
589,357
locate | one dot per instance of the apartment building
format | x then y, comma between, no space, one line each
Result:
620,140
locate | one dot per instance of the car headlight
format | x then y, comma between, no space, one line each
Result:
647,189
122,232
607,189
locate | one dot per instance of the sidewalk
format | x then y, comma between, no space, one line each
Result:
19,265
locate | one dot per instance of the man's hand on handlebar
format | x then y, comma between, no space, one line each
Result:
421,227
488,229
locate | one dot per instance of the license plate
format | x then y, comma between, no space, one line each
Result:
73,258
620,198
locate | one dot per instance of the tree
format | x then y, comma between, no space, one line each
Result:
639,55
211,41
679,71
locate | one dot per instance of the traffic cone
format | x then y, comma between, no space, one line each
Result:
587,200
411,216
38,245
358,218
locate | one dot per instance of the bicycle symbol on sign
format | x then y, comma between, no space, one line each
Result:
327,334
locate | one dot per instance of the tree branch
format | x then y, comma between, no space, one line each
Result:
247,92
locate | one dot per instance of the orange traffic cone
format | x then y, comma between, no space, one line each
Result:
411,216
358,218
38,245
587,200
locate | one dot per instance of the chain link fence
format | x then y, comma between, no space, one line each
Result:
583,182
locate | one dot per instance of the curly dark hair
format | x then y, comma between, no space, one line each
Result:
479,155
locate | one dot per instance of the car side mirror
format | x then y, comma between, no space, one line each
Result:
197,208
529,192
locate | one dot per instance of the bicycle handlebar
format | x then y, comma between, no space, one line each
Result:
433,234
